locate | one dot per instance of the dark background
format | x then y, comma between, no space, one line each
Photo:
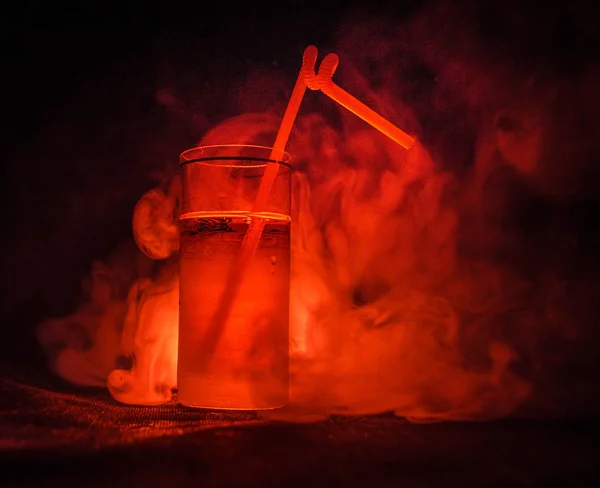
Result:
50,49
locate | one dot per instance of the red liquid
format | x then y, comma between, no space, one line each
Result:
245,364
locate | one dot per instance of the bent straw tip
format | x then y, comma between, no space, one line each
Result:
326,70
311,51
309,58
307,71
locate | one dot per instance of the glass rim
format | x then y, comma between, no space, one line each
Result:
285,160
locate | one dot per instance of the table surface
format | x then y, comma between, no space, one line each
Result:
84,438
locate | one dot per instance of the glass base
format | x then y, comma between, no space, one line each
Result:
231,394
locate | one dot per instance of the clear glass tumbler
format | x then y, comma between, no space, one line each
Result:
233,356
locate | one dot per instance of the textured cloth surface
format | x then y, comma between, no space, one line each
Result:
35,417
86,439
